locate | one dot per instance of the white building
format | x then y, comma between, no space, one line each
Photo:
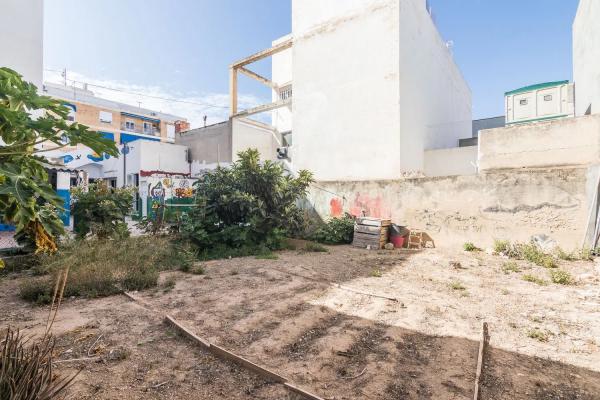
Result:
586,57
366,87
22,38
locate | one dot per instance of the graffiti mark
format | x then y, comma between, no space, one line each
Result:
364,204
336,208
184,193
158,191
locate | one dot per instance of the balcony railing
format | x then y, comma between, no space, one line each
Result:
152,131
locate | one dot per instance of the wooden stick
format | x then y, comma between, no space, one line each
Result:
301,392
485,338
265,373
186,332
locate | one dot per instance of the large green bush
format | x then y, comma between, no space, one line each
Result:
101,210
251,204
335,231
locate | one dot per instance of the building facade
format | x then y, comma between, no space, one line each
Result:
361,89
586,57
22,38
121,122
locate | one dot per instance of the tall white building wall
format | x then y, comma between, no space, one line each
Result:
435,100
346,89
586,57
374,87
21,38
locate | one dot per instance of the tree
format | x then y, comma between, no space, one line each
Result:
250,203
27,199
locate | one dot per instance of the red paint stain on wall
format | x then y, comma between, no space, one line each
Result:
336,208
364,204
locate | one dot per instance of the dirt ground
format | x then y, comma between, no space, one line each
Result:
285,314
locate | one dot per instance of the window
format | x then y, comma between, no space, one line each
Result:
170,131
285,92
548,97
148,128
523,102
130,125
106,117
72,112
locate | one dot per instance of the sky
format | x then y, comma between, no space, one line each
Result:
181,49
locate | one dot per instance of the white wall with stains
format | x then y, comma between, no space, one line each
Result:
374,87
586,57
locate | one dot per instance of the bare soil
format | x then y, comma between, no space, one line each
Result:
285,314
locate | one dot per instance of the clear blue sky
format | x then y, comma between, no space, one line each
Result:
185,46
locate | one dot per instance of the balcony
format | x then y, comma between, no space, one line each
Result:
150,130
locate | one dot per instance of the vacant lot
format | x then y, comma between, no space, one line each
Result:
292,315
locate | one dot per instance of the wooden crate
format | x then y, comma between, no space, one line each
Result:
371,232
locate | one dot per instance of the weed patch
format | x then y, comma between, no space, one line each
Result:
456,285
315,248
99,268
335,231
510,266
561,277
538,334
376,273
470,247
267,256
535,279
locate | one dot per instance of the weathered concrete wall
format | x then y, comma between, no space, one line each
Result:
208,145
586,57
248,134
21,38
480,208
570,141
449,162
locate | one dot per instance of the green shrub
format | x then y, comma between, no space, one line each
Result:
538,334
335,231
510,266
502,246
197,270
101,211
315,248
532,253
561,277
247,205
470,247
534,279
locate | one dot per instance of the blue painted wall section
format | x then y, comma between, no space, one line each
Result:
128,137
65,216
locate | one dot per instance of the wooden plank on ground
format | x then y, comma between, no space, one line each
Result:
485,338
186,332
302,392
265,373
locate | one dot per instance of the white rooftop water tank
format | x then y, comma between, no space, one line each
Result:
540,102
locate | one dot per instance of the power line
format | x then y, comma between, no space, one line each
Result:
207,105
